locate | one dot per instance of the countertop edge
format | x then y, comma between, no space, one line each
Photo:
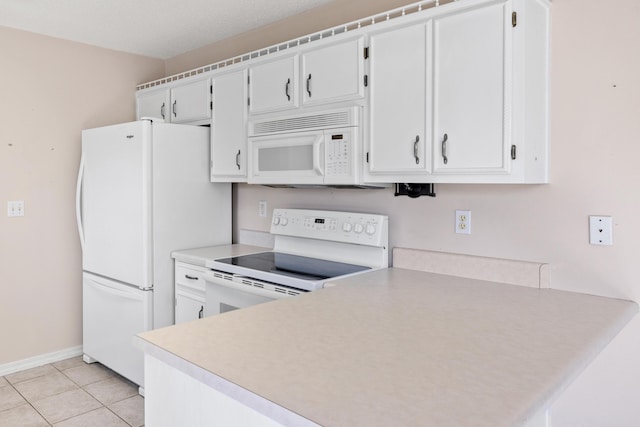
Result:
250,399
581,363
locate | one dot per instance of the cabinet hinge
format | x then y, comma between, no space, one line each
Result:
366,80
514,19
211,89
248,80
211,105
366,53
367,157
513,152
248,101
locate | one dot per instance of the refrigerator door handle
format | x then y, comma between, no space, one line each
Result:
78,202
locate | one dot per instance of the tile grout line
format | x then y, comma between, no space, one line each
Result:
78,386
27,400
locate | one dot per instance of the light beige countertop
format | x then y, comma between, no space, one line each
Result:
398,347
200,256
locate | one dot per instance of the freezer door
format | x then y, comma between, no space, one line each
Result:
116,201
112,314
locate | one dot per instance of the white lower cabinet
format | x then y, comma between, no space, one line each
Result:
189,292
173,398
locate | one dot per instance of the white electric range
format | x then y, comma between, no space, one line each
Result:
311,248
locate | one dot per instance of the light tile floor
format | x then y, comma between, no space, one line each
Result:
69,393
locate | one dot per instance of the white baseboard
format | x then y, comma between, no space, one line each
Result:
43,359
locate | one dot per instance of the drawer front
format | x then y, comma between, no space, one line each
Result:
190,276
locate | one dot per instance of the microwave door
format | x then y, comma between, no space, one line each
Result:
296,158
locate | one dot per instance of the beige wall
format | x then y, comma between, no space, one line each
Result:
50,90
595,146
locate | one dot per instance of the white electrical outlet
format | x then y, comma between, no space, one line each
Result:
600,230
15,208
463,222
262,208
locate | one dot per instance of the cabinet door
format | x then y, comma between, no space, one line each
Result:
398,94
333,73
229,128
274,85
191,102
472,91
188,307
153,104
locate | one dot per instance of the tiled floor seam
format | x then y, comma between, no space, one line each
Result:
28,403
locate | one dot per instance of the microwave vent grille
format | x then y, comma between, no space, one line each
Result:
321,121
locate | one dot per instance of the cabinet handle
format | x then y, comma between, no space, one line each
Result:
286,89
162,110
444,149
238,159
309,85
174,108
201,312
415,149
190,277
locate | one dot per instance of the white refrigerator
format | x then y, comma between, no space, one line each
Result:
143,191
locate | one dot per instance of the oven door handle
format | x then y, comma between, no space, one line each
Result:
210,278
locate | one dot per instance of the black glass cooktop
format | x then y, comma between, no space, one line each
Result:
293,265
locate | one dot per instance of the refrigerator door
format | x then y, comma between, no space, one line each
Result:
115,202
112,314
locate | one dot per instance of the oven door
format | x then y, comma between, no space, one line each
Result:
296,158
222,295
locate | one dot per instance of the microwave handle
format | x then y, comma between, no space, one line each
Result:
318,157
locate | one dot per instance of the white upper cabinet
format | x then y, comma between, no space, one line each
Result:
472,91
229,127
460,95
333,73
274,85
399,115
457,92
181,103
154,104
191,102
322,74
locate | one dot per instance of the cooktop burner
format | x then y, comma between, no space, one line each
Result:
300,267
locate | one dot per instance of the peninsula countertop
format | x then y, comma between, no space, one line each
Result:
400,347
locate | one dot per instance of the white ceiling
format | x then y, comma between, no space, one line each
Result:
156,28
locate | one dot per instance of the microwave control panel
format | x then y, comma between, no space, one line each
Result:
338,154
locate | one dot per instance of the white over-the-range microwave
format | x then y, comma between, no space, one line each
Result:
321,148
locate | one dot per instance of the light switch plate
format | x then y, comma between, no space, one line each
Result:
15,208
601,230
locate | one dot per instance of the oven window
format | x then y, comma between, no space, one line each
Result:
293,158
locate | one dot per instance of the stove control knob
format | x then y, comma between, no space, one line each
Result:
284,221
371,229
358,228
347,227
276,220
